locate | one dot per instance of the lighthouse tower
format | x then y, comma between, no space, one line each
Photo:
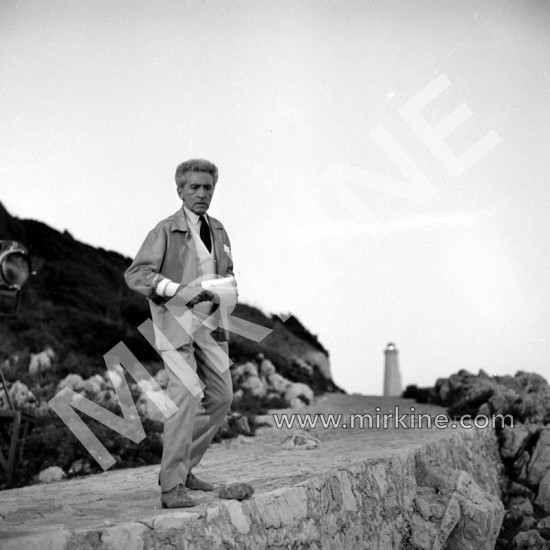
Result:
392,376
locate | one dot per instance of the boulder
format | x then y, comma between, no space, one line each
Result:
529,382
518,490
42,409
529,540
300,440
528,523
41,362
73,382
249,369
254,385
503,400
543,496
107,398
533,403
278,383
534,407
519,468
242,425
264,421
298,391
80,467
233,424
512,439
521,504
237,491
452,511
21,396
543,527
238,395
11,362
93,385
267,368
240,373
237,372
540,459
512,522
51,474
433,519
480,519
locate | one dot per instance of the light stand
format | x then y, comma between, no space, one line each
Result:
15,269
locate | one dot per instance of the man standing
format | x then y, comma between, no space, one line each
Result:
177,255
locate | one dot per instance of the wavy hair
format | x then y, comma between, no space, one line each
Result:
195,165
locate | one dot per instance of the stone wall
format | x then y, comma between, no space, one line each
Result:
443,494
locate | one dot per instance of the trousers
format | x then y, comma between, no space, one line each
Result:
190,430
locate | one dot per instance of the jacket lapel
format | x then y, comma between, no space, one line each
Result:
179,223
187,254
217,236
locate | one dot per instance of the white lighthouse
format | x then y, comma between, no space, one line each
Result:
392,376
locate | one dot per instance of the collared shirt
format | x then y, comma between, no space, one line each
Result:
195,224
206,263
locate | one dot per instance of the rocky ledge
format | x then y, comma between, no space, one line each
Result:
393,488
523,402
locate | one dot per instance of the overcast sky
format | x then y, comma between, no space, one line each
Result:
295,101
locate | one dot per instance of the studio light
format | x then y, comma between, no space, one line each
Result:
15,270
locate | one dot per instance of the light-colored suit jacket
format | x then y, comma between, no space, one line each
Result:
169,252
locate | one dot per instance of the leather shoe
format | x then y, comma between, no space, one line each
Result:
195,484
176,498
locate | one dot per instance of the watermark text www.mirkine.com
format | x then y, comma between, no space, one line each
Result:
387,420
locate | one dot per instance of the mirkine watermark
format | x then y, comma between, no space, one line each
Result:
415,186
397,419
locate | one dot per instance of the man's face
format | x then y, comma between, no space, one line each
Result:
197,191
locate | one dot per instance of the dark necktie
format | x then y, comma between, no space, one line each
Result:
205,233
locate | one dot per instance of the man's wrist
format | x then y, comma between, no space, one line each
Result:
167,288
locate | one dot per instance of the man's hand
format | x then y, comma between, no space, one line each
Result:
204,296
192,296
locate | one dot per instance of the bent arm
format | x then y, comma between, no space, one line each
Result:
143,275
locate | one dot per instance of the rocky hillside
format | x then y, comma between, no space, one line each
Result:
77,307
523,401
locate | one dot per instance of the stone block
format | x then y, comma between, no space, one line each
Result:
126,535
175,520
285,507
349,500
237,516
46,540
